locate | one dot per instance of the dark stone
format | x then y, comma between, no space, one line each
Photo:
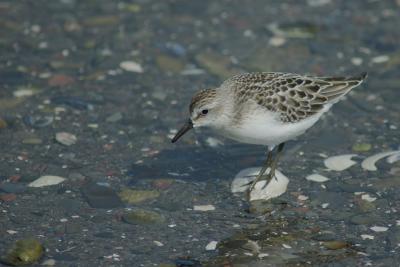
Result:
13,187
71,101
187,263
65,257
104,235
101,197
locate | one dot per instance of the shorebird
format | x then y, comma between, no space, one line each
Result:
266,108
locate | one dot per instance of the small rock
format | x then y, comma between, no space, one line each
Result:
8,197
317,178
32,141
72,101
38,121
379,228
12,187
357,61
162,184
169,64
60,80
333,245
142,217
368,198
361,147
364,237
49,262
114,117
380,59
203,207
158,243
277,41
23,92
101,197
24,252
65,138
364,219
137,196
47,180
212,245
3,124
131,66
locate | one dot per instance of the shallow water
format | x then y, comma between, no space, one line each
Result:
61,71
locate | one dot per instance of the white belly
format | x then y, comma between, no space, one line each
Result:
263,128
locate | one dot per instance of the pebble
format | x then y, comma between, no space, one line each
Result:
131,66
158,243
141,216
203,207
3,124
333,245
66,139
32,141
23,92
8,197
356,61
101,197
49,262
302,197
132,196
60,80
38,121
117,116
364,237
317,178
379,228
46,180
361,147
277,41
24,252
12,187
368,198
380,59
212,245
72,101
162,184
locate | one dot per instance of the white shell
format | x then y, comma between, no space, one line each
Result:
340,162
367,237
393,158
66,139
131,66
275,188
369,163
46,180
367,197
203,207
317,178
379,228
212,245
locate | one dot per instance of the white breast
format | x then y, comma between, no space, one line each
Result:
263,128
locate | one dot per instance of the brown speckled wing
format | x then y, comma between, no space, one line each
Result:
293,96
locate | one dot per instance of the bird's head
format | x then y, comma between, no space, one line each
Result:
205,110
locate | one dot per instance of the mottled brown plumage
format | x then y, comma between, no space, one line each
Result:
294,97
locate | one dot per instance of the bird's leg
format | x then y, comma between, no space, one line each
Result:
263,170
274,164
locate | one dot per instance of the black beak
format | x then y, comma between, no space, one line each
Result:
188,125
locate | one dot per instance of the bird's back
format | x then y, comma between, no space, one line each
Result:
294,97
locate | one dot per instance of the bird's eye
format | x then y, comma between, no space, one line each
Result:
204,111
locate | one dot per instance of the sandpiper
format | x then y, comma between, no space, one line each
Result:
266,108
